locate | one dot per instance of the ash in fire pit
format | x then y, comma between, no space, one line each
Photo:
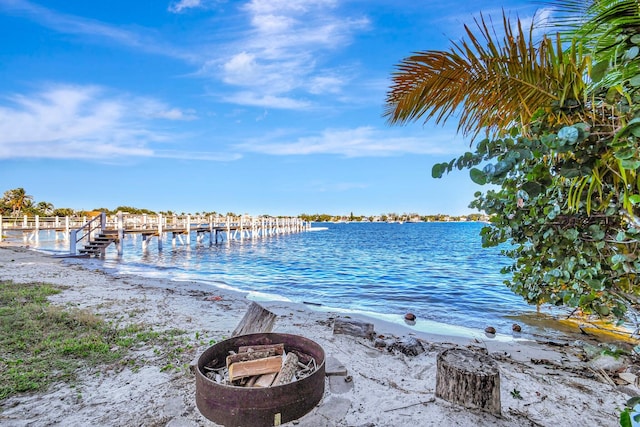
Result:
260,379
261,366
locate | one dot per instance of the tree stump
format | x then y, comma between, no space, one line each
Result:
468,379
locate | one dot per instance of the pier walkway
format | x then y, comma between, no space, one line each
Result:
93,236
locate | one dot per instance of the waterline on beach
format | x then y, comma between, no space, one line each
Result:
438,271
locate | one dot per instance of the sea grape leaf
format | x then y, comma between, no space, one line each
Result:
627,153
635,80
438,170
571,234
478,176
568,134
618,258
489,170
570,172
533,189
631,164
632,52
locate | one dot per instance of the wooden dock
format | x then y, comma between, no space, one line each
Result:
92,236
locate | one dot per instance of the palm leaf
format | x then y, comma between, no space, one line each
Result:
491,85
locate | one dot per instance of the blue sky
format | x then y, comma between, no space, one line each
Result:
260,107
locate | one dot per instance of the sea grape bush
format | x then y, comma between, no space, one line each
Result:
559,197
561,155
568,194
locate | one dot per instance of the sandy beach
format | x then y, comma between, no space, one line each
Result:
558,384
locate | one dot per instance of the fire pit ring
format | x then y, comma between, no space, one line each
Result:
234,406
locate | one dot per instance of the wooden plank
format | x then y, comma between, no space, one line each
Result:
257,319
277,348
255,367
253,355
265,380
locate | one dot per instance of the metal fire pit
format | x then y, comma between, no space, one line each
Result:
259,407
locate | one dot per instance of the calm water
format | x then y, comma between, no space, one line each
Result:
439,271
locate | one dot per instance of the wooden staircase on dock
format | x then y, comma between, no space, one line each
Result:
98,245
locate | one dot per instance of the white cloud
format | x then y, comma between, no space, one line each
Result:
325,84
257,100
180,6
279,52
240,68
85,122
358,142
91,29
263,7
280,56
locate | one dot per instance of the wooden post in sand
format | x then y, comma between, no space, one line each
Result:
257,319
468,379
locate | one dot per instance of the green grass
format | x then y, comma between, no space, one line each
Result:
42,344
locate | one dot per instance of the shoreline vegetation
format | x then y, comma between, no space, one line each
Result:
17,203
153,328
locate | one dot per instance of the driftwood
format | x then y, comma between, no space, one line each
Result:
289,368
257,319
352,327
407,345
468,379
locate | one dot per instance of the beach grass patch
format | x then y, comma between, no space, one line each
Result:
41,344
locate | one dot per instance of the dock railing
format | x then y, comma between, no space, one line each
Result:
219,227
90,228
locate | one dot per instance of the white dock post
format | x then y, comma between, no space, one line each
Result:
210,230
188,230
72,241
0,228
228,229
159,232
36,232
241,231
119,243
66,228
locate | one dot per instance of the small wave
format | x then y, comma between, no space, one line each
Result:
264,296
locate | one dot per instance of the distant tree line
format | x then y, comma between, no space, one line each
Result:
392,217
17,202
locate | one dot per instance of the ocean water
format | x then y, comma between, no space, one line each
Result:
438,271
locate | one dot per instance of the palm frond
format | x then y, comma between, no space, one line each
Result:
491,85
